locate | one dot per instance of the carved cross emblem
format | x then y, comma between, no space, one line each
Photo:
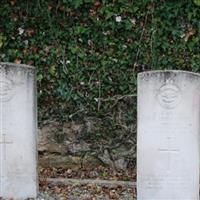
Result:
169,151
4,142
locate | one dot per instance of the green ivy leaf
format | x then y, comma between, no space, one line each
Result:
2,39
39,77
197,2
79,30
89,1
77,3
52,70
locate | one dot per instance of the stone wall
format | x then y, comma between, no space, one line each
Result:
66,145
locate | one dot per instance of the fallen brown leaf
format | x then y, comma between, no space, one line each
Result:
17,61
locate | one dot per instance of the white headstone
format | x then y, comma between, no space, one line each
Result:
18,176
168,135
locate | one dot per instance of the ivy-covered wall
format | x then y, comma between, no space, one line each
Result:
88,53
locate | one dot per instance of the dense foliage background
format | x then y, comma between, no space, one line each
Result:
88,53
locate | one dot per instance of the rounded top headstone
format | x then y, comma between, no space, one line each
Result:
17,65
167,72
12,75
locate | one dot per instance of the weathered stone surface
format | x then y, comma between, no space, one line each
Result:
168,136
54,160
78,148
72,131
90,161
106,158
18,176
67,140
56,138
46,138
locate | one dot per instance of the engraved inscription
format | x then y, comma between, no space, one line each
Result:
6,90
174,128
169,151
165,181
169,95
167,142
4,142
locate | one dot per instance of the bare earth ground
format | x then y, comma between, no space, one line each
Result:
88,191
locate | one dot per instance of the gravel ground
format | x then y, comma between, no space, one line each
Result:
86,193
86,190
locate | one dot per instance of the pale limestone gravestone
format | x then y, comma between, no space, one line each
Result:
168,135
18,175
